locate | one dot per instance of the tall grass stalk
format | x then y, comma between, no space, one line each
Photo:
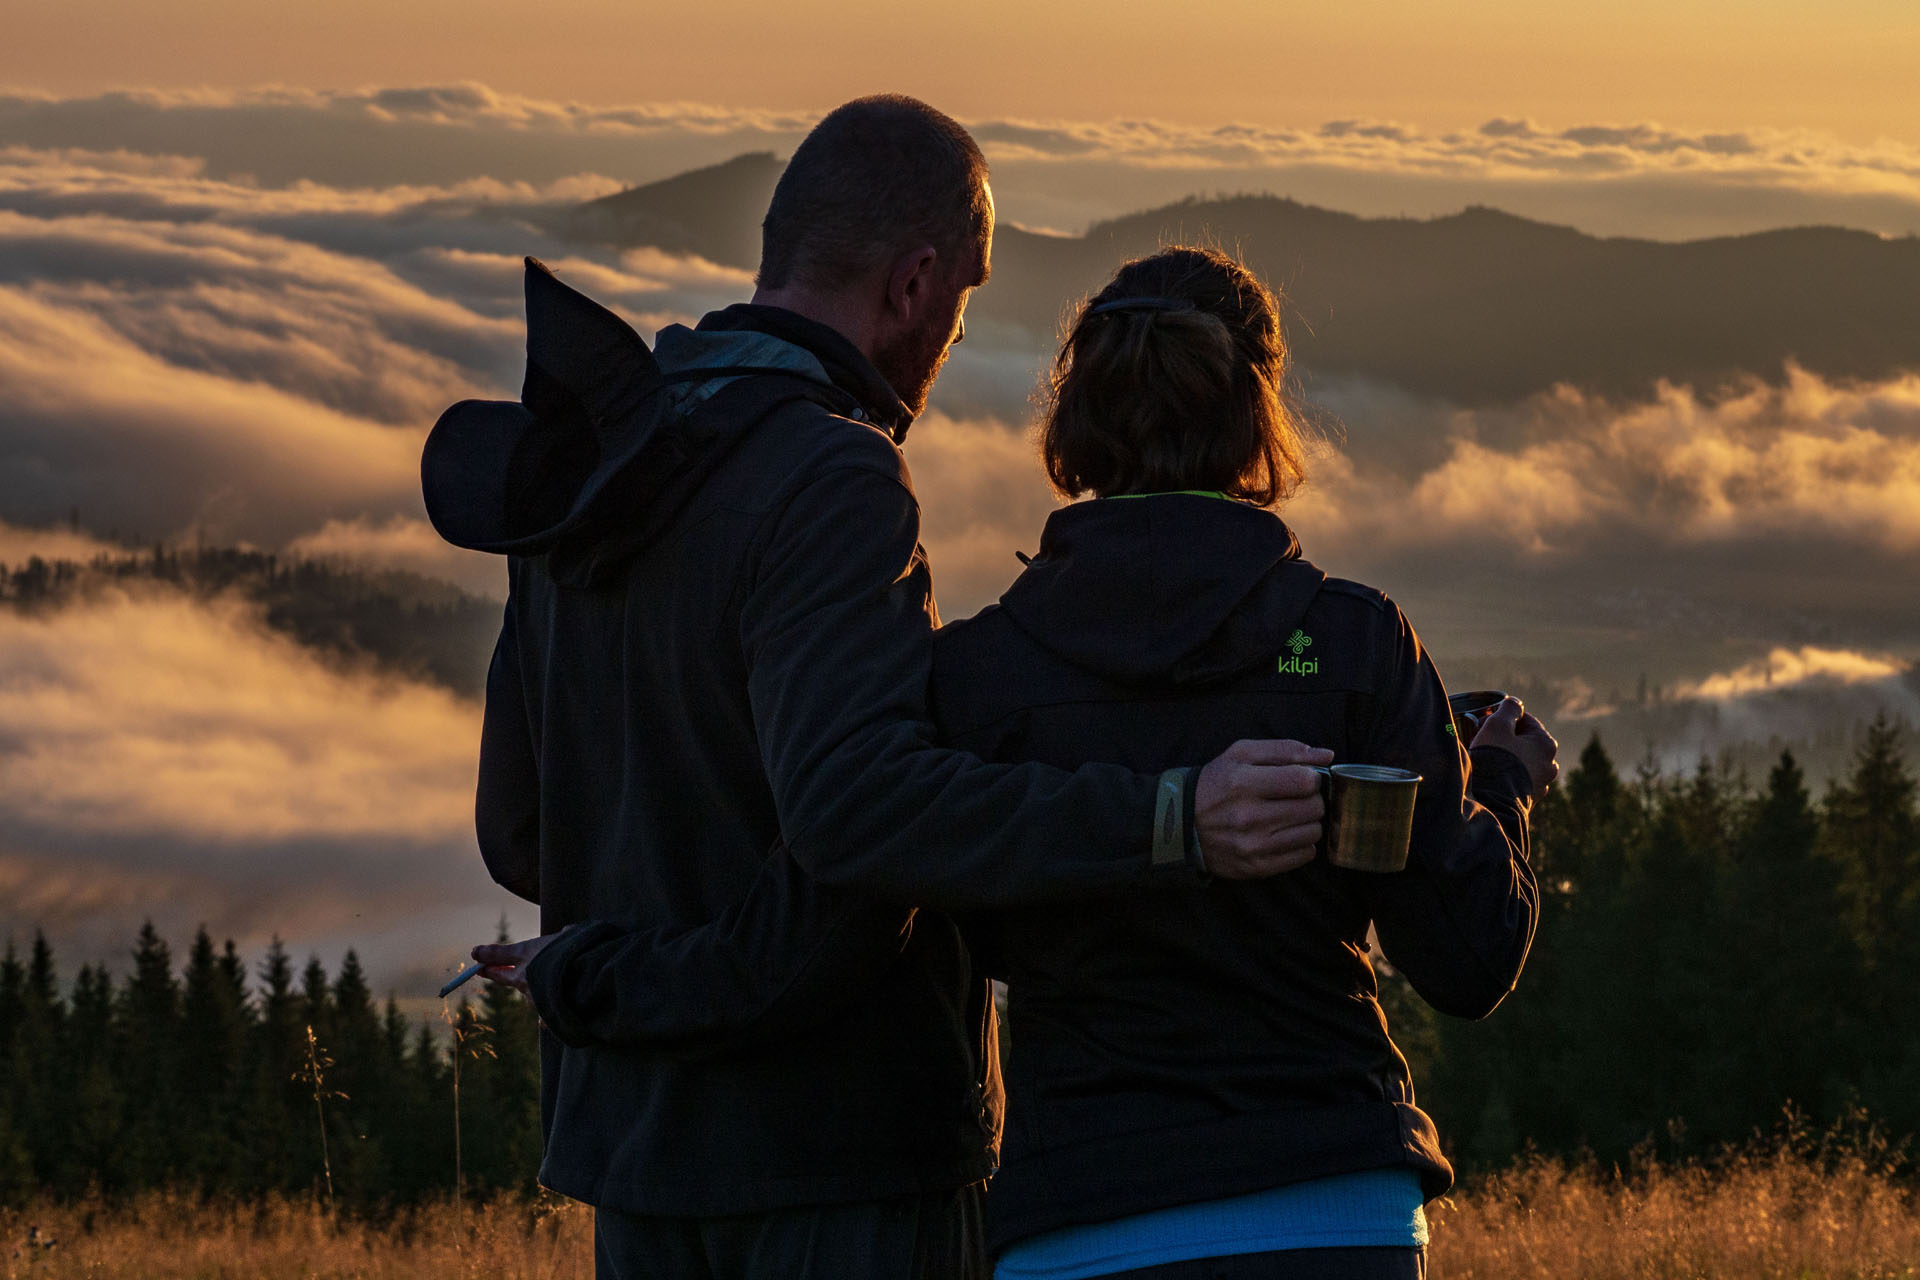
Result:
469,1041
314,1074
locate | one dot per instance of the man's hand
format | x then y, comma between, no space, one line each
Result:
1509,725
1258,808
506,962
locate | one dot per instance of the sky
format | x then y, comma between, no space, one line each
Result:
247,253
1843,67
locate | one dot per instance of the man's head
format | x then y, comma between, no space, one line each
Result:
881,225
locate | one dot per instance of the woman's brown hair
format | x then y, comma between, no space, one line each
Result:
1173,377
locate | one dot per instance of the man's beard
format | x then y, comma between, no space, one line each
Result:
912,361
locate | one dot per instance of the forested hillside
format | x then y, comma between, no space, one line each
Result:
1709,953
406,624
239,1077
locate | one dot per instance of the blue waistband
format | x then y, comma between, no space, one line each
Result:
1381,1207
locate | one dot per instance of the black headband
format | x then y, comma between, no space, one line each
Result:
1141,304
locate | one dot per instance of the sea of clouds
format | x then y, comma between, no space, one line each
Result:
231,318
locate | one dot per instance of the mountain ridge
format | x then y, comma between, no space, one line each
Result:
1475,307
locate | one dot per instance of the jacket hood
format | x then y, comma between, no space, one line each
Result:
1180,588
589,465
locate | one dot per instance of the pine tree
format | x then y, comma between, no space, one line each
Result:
1575,997
147,1064
98,1112
411,1166
1663,979
16,1165
360,1076
1785,937
13,996
38,1071
274,1157
216,1028
1599,824
1873,834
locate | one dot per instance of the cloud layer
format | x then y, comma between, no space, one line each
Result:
1613,177
1792,668
188,356
171,758
1550,476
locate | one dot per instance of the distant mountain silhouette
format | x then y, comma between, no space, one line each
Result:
1477,307
713,212
1485,306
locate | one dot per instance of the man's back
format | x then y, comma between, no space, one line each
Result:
623,782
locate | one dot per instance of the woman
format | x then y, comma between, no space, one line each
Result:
1201,1083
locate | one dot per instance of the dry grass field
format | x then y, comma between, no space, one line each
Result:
1786,1213
169,1237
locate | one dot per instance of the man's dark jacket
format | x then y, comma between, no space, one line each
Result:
1168,1048
733,646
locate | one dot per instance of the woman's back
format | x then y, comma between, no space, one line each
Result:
1199,1044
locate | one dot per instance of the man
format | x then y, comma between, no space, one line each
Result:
718,638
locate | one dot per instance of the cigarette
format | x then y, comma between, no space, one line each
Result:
459,978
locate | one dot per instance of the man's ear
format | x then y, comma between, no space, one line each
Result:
909,282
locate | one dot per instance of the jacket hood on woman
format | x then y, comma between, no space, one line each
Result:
1204,584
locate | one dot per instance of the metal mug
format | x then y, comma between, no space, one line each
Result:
1369,821
1470,711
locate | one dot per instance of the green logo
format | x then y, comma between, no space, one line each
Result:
1297,665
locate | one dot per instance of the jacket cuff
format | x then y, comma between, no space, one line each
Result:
1175,844
1176,841
1195,858
547,986
1499,771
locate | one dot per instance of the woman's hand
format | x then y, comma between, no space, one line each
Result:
1511,727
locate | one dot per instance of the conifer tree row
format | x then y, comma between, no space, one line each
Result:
1710,951
202,1079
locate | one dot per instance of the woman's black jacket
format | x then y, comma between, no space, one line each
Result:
1168,1047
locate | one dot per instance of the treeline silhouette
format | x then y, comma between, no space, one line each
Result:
1710,951
238,1084
408,624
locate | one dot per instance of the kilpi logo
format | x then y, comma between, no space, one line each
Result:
1296,665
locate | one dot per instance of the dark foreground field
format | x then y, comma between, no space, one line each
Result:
1796,1213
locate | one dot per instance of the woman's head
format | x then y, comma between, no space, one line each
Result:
1173,377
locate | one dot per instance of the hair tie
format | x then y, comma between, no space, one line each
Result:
1141,304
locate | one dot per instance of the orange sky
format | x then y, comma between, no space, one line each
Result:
1847,67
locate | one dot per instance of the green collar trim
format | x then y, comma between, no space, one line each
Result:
1190,493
